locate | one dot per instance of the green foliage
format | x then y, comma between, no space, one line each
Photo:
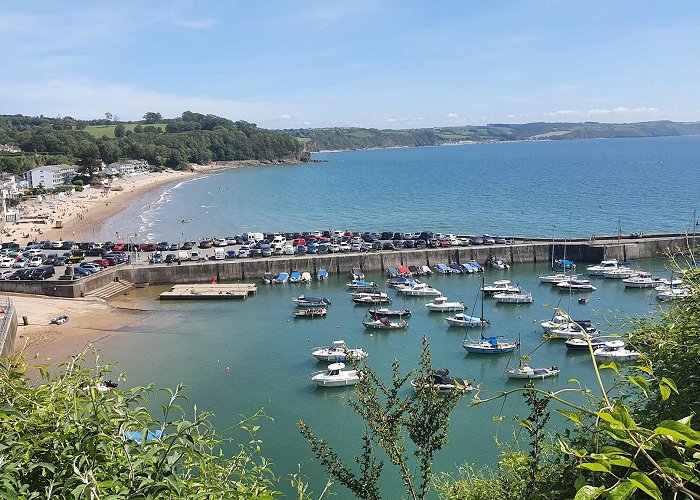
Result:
421,416
64,437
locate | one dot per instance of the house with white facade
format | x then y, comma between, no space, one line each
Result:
50,176
126,167
8,148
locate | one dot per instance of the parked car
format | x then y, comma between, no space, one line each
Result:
488,239
476,240
230,254
60,261
35,261
500,240
6,273
20,263
42,273
169,259
409,244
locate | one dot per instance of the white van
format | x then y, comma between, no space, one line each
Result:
183,256
219,254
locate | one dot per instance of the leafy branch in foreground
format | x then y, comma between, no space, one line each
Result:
391,415
67,436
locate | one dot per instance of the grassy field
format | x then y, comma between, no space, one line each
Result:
108,130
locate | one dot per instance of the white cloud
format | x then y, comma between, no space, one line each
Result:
562,112
392,120
452,116
285,116
622,110
197,24
307,123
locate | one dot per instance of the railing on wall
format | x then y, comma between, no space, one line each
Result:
7,313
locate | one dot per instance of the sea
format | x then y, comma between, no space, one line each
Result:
237,357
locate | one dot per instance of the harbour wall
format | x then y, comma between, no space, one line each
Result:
252,269
8,328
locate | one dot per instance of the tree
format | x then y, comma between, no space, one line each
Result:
109,116
89,161
119,130
422,416
68,435
152,117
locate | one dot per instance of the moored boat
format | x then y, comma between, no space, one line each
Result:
580,344
305,301
614,350
281,278
576,286
643,280
385,312
357,273
556,278
306,277
371,298
310,312
602,267
414,289
441,304
338,351
489,345
499,286
465,321
295,277
385,324
513,298
441,381
322,274
335,376
268,278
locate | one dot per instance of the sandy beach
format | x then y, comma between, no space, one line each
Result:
91,320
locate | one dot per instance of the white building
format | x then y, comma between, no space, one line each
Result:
7,148
126,167
50,176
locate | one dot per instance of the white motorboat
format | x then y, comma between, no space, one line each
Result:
441,304
513,298
385,324
614,350
489,345
322,274
673,293
335,376
576,286
556,278
582,344
527,372
643,280
306,277
442,382
621,273
498,263
339,351
419,290
602,267
385,312
465,321
371,298
281,279
499,286
573,331
561,321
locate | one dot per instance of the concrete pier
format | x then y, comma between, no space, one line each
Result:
251,269
218,291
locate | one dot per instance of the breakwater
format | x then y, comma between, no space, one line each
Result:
252,269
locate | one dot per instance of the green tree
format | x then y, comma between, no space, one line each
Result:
89,161
66,435
152,117
119,130
422,417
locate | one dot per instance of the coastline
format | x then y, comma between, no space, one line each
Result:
91,320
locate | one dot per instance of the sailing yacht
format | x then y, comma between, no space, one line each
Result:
487,345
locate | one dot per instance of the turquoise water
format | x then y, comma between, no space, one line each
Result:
579,187
268,353
522,188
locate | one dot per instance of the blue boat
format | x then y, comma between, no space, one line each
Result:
442,268
565,263
137,436
304,301
392,272
468,268
396,282
456,268
322,274
489,345
477,267
281,278
295,277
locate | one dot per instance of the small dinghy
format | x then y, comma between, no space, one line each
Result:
339,351
335,376
310,312
442,382
59,320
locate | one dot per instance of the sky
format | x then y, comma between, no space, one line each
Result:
383,64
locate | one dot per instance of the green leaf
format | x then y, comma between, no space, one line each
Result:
670,383
644,368
595,466
580,482
589,492
640,382
571,415
677,469
642,481
609,365
678,430
622,491
623,462
665,392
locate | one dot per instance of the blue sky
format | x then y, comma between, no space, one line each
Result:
392,64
